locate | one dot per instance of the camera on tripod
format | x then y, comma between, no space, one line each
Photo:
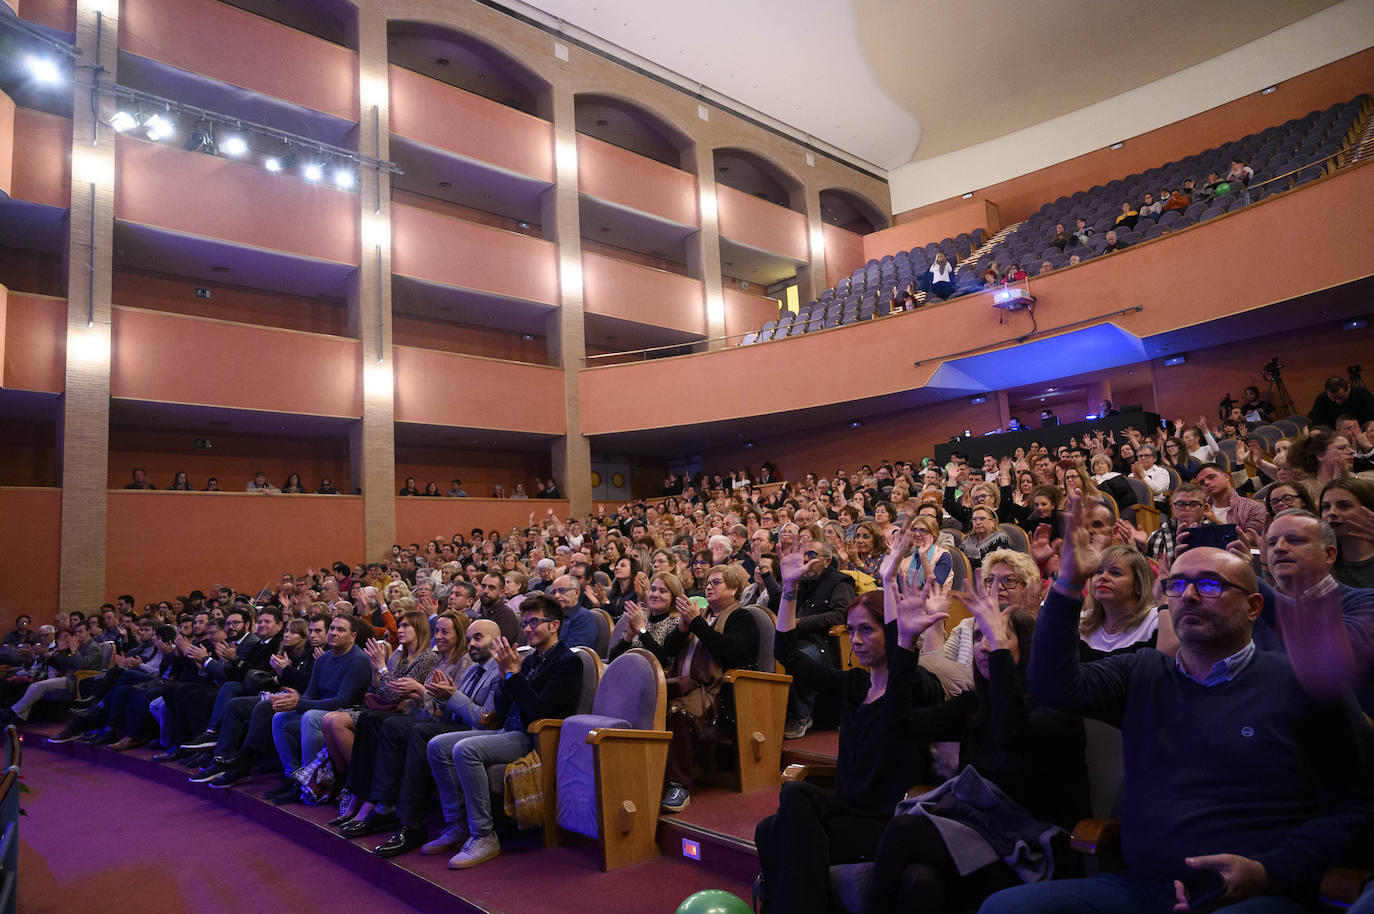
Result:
1271,370
1353,372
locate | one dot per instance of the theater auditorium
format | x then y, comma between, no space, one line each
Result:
861,456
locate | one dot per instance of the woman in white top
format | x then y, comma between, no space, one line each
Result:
1120,612
941,277
1202,445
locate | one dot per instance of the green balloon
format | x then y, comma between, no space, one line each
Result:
714,901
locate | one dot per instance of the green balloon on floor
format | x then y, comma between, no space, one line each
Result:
714,901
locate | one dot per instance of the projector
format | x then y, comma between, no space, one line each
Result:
1012,298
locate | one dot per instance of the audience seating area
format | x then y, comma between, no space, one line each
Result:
1282,157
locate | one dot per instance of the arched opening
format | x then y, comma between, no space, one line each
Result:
850,211
753,174
464,61
627,125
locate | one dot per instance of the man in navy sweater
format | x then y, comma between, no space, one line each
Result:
1237,784
338,680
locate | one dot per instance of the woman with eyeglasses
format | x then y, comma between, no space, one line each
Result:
1284,495
926,552
701,564
1348,506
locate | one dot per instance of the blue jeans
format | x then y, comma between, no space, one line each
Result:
471,757
439,751
286,736
1113,893
312,735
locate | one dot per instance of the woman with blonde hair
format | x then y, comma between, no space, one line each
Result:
1120,612
649,626
926,551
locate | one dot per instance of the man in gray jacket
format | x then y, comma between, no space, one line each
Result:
85,655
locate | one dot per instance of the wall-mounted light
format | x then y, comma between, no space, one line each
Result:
1269,91
313,172
44,70
967,196
234,146
1117,145
857,423
977,401
1175,360
1358,323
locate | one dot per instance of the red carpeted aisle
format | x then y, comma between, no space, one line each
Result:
97,839
101,826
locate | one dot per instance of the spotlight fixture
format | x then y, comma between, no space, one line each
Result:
123,121
272,164
233,146
159,127
313,172
857,423
343,177
43,69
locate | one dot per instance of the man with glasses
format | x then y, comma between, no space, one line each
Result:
823,596
578,624
1148,471
1189,506
1235,780
545,685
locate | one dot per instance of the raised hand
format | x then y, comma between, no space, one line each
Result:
635,619
918,610
988,616
1078,557
507,657
686,612
893,560
279,662
792,562
642,586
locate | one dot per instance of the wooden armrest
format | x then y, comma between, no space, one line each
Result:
86,674
602,734
800,772
1096,836
919,789
1341,886
838,631
733,676
488,720
544,723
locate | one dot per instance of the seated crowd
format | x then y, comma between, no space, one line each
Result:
1224,623
181,482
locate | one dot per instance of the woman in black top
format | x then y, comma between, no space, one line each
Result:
1034,754
878,759
649,626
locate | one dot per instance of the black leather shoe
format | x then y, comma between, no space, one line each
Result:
89,715
406,839
374,824
340,820
194,759
172,755
107,738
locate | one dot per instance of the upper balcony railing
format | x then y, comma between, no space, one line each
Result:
762,225
636,182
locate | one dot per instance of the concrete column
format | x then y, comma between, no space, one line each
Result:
565,328
703,249
811,277
372,443
84,432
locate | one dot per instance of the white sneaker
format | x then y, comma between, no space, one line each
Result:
476,850
452,836
797,730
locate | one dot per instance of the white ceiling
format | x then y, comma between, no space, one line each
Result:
878,78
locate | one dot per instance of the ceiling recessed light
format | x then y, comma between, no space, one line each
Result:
605,228
441,61
445,184
219,269
602,122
